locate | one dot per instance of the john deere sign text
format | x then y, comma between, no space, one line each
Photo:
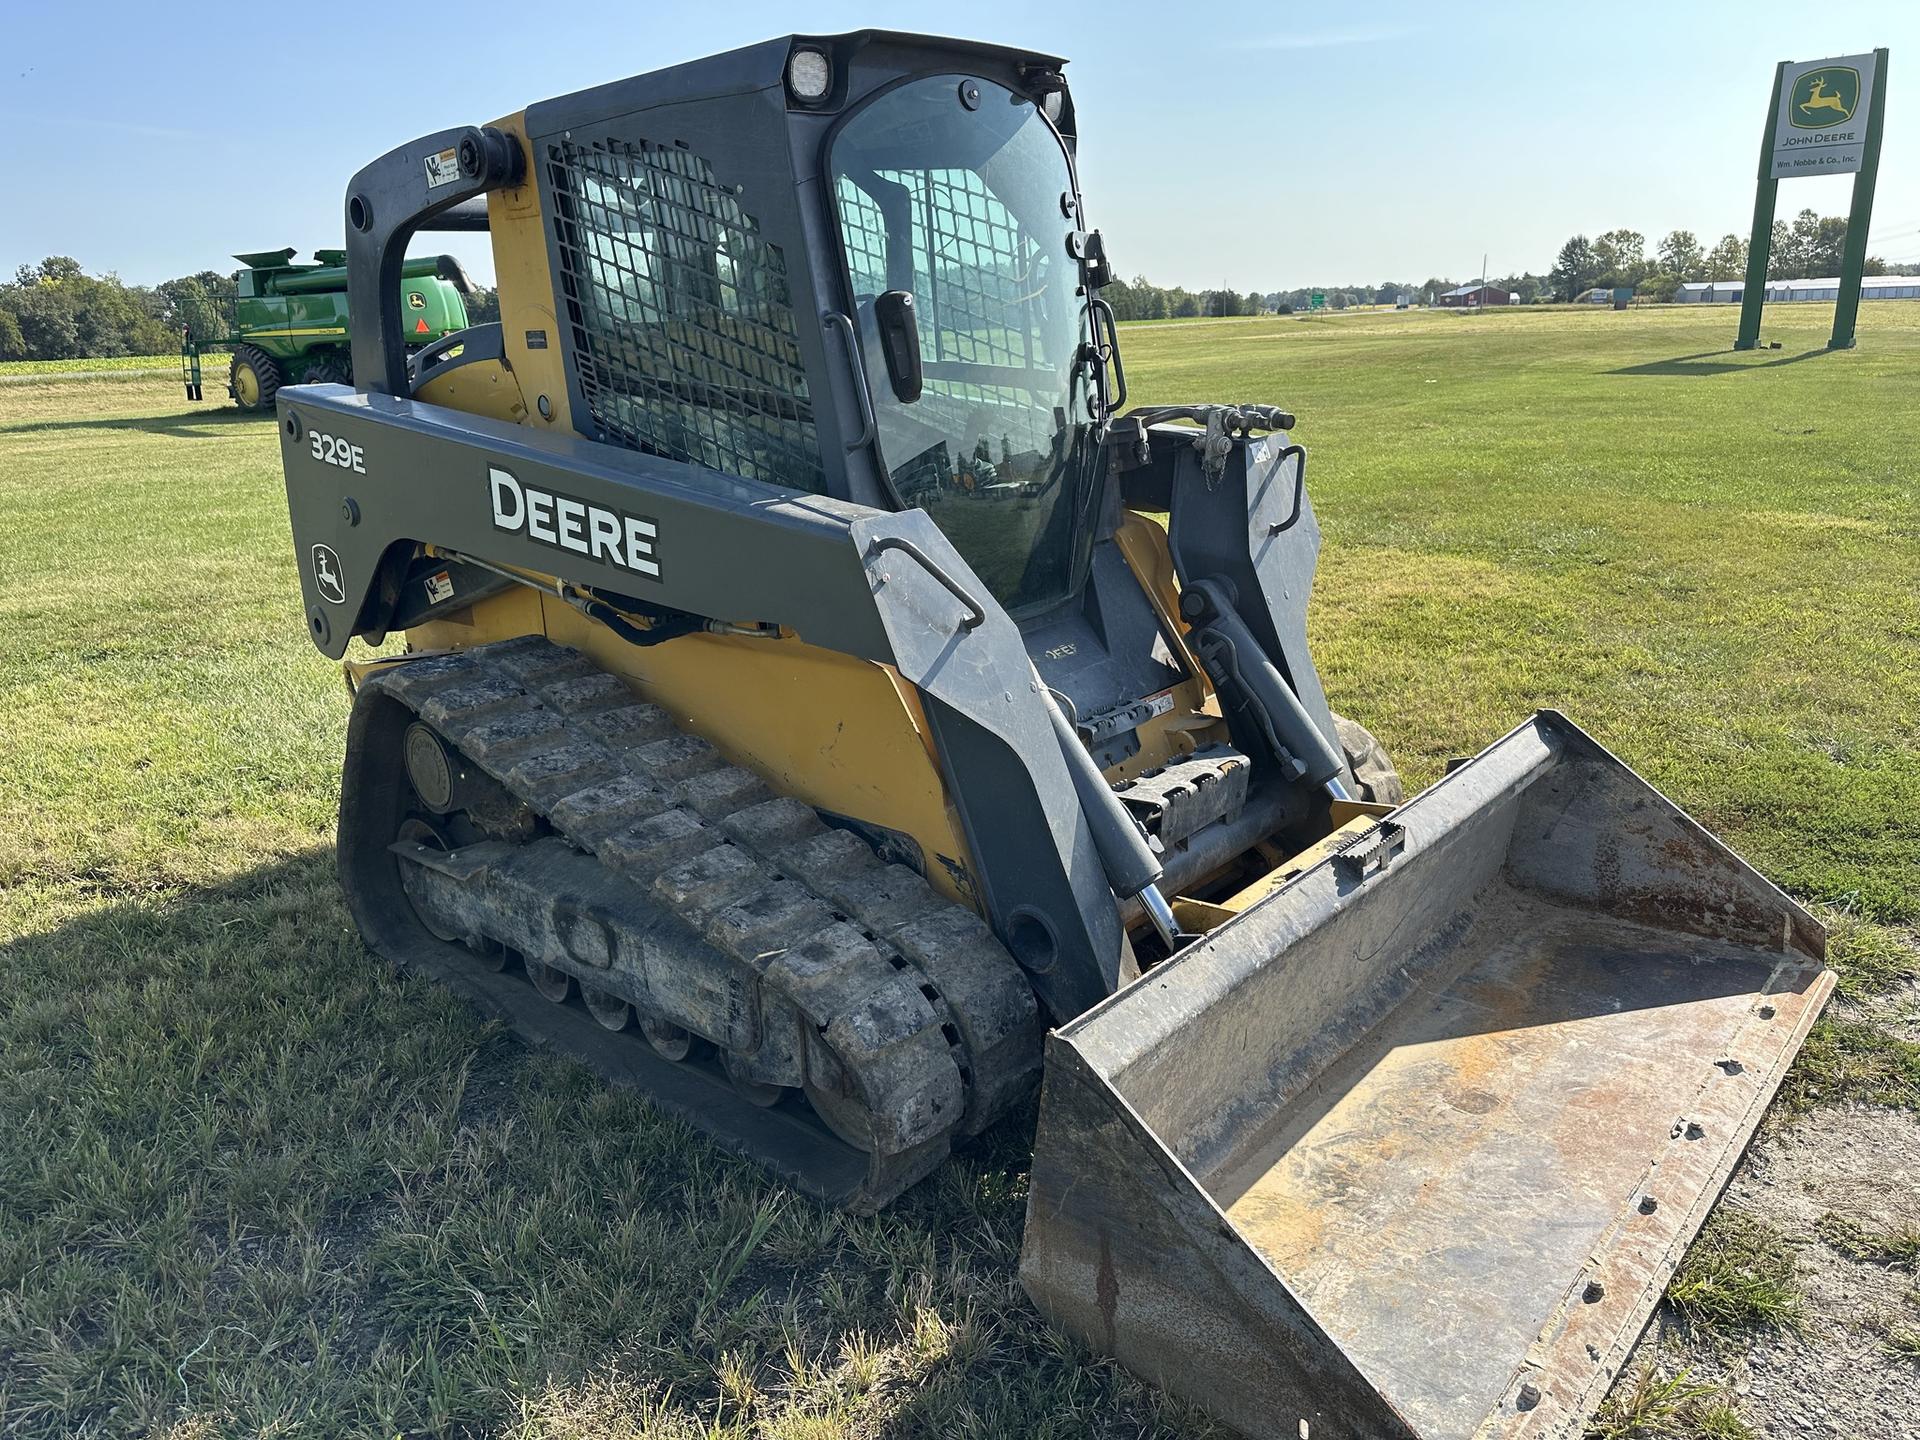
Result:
1822,125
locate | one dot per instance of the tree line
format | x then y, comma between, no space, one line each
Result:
1812,245
1140,299
56,311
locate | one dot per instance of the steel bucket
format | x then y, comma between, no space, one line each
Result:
1412,1146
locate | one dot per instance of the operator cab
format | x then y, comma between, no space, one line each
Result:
956,210
958,215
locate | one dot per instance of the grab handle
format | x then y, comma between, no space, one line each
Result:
834,320
976,612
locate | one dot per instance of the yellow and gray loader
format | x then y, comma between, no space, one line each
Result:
828,708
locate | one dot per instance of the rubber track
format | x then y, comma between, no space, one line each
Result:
933,1021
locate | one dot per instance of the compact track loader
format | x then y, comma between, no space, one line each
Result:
808,717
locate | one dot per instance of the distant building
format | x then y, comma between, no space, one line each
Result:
1731,292
1465,295
1710,292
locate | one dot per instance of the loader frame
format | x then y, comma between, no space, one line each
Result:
844,570
1226,1139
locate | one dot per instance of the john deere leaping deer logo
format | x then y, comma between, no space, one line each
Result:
1824,97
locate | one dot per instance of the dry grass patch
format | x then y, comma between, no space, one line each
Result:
1653,1406
1739,1274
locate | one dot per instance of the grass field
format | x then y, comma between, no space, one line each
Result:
115,365
253,1184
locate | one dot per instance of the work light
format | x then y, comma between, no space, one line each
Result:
809,75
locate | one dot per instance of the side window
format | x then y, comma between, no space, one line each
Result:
949,188
983,286
985,294
680,314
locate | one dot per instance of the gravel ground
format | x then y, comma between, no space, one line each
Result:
1817,1178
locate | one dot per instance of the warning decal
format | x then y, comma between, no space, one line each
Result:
443,168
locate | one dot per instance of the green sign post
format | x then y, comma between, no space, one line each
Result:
1825,118
1317,300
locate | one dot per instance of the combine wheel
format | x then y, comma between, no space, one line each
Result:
255,377
328,370
609,1009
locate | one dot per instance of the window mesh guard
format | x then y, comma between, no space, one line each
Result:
681,314
982,287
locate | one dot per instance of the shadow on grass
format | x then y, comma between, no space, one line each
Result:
1713,362
251,1173
194,422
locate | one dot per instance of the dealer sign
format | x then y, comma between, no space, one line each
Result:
1821,128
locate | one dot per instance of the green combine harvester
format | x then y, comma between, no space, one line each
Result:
290,321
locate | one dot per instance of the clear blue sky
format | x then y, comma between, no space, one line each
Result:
1259,145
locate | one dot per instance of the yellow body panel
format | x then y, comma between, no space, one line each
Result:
1143,545
844,735
1194,719
527,321
484,387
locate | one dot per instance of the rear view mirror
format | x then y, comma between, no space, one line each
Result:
900,342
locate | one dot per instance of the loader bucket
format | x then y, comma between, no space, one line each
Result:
1413,1150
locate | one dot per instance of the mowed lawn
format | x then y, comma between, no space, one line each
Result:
253,1184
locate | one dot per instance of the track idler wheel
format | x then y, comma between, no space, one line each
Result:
669,1041
491,954
609,1009
754,1092
552,982
421,832
843,1114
